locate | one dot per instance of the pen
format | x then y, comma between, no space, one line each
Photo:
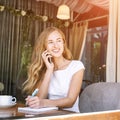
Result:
35,92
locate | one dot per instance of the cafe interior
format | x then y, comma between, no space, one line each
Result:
92,30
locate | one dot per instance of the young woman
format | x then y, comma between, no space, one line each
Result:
53,71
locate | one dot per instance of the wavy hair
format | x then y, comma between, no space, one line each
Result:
37,67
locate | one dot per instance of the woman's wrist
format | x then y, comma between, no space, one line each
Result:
48,75
49,71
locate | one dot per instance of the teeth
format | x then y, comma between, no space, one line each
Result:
55,50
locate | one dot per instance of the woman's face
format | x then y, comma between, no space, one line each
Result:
55,44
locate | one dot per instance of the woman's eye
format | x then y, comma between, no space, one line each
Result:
59,40
50,42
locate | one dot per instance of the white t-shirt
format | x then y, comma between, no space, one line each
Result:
60,81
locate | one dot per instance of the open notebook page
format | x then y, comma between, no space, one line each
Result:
33,110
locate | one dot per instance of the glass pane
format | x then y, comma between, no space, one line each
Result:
94,55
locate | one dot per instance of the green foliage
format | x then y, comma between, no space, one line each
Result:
1,86
31,15
26,55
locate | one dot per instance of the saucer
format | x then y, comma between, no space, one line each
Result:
6,106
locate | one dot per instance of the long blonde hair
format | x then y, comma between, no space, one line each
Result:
37,68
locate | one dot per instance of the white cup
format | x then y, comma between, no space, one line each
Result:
7,100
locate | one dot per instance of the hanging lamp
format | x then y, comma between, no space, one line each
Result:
63,12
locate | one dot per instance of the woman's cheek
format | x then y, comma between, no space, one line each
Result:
49,47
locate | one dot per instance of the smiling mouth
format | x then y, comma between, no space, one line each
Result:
55,51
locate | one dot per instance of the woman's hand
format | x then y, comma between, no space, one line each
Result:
32,102
35,102
47,59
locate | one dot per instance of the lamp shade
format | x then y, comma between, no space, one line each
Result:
63,12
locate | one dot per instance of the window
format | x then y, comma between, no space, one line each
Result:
94,55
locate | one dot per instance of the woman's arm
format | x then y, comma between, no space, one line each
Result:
73,93
43,89
68,101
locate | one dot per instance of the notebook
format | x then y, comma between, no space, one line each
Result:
35,110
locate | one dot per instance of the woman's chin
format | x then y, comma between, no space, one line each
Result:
56,56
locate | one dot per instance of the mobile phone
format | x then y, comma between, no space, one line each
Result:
50,60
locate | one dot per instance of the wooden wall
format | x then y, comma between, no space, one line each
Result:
16,34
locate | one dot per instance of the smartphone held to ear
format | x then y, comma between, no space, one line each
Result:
50,60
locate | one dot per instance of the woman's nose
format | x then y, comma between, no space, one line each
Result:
55,44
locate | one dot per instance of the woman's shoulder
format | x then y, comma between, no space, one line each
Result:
77,64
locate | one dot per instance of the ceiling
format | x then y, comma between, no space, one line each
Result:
96,17
95,11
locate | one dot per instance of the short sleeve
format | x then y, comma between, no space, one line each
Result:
76,66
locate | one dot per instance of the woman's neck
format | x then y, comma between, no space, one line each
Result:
60,63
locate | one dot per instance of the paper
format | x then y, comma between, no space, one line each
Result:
33,110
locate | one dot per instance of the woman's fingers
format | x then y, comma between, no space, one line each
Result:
46,54
47,58
27,100
33,102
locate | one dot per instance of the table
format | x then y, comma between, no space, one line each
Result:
12,113
104,115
